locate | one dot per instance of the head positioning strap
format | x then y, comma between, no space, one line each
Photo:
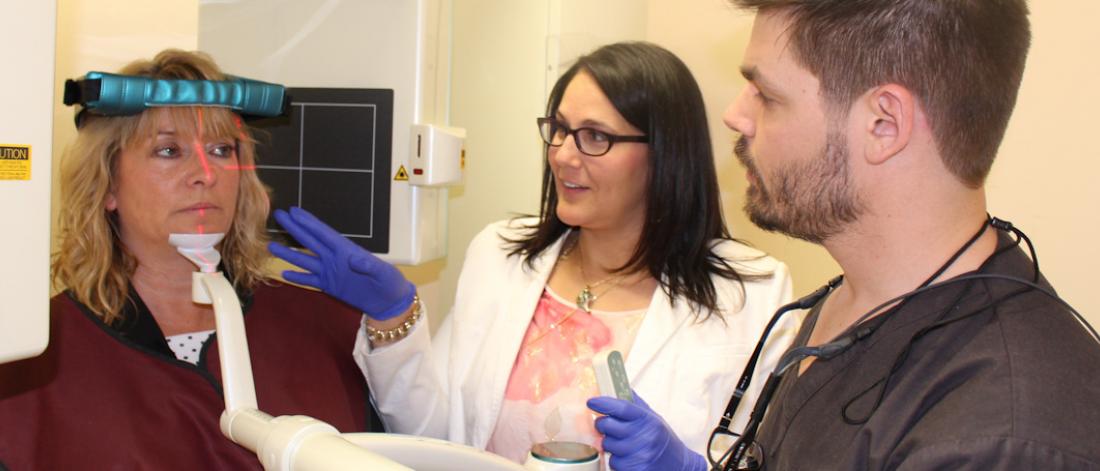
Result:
121,95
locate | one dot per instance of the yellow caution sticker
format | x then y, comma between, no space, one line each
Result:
402,175
15,162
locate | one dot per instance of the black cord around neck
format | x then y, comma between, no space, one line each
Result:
958,253
904,298
858,332
940,321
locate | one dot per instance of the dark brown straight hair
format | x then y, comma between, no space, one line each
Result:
656,93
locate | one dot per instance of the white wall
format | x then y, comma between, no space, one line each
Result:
505,56
1042,180
491,99
495,85
710,36
104,35
1043,177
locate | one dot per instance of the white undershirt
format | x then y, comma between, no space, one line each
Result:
187,346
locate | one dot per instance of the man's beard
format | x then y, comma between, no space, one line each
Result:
811,200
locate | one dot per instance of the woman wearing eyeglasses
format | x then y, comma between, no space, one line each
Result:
628,253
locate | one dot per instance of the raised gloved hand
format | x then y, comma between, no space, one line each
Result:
341,268
638,439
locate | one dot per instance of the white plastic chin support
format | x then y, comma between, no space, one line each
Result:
199,249
300,443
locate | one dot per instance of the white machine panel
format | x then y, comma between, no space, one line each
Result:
26,127
368,45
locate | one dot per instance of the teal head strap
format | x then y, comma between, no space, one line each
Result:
121,95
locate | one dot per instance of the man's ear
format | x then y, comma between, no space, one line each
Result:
890,113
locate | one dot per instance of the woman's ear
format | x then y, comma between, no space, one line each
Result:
890,114
110,202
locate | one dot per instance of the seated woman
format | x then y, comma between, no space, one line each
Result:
629,253
131,378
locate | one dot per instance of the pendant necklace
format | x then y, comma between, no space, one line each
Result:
587,296
584,299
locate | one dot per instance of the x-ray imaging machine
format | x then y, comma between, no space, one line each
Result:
365,147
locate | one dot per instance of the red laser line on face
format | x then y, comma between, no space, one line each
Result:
199,149
237,147
207,172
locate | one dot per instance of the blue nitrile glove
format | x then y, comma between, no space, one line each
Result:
639,440
341,268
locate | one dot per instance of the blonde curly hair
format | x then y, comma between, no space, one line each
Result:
91,261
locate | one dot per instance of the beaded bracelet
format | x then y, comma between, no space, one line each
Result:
399,332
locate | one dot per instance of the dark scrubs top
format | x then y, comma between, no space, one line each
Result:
981,374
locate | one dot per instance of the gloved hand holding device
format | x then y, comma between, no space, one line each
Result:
341,268
639,439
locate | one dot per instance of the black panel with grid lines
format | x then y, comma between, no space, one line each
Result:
332,157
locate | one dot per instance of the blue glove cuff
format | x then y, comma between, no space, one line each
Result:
696,462
403,304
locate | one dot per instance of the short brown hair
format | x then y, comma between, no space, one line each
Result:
91,262
964,60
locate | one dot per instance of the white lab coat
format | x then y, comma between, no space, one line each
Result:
453,387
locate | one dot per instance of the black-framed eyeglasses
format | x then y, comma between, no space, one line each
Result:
589,141
721,447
